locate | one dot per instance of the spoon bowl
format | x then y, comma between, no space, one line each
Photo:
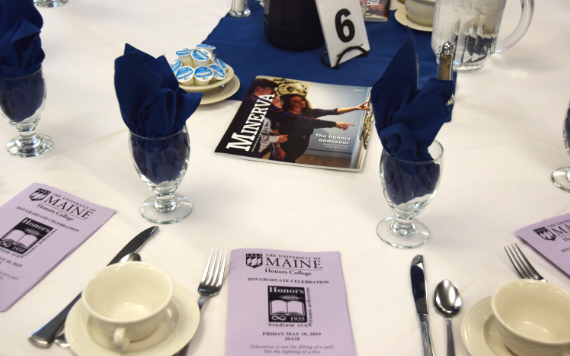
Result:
447,302
131,257
446,299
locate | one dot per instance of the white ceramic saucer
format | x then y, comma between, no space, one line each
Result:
479,331
175,330
402,17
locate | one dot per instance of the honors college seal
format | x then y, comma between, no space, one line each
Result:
253,260
39,194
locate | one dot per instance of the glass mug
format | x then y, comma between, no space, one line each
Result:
473,27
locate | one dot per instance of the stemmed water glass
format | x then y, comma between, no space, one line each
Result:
561,176
22,102
408,188
162,163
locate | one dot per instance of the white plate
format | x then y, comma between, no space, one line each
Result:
402,17
479,331
221,93
179,328
213,85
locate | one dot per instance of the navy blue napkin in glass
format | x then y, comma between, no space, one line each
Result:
20,45
154,107
407,121
151,102
22,85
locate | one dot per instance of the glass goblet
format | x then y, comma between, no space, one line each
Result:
162,163
561,176
49,3
408,188
22,102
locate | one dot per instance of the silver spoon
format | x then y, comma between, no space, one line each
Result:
447,302
61,340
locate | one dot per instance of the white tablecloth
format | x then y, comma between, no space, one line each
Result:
500,149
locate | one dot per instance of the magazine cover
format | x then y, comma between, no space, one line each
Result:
301,123
375,10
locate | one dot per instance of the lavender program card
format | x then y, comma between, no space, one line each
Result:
552,239
40,227
285,302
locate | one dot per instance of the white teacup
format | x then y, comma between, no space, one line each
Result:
128,300
533,318
421,11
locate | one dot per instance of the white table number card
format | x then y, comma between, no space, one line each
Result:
343,27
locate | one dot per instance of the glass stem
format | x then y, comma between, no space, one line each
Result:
165,202
403,226
28,138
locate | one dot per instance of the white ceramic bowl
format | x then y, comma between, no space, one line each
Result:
533,318
420,11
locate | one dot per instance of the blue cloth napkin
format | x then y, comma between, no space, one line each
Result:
22,86
407,121
151,102
20,45
242,44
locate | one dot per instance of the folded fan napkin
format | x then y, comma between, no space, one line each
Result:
151,102
21,55
20,45
407,121
154,107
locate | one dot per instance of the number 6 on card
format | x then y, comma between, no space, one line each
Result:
343,28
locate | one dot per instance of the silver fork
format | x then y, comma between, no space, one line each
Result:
521,264
211,283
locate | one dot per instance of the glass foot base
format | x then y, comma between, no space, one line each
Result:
16,148
49,3
420,237
244,13
182,210
561,178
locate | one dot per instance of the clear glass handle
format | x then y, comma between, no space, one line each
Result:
524,22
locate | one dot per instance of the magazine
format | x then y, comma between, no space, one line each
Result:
375,10
301,123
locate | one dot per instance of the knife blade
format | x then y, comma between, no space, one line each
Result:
44,336
420,298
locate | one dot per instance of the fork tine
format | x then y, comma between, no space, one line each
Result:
521,263
514,262
221,275
212,267
528,265
205,274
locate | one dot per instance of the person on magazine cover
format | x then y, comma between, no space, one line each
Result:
277,115
299,132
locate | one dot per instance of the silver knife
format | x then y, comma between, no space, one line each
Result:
420,298
44,336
